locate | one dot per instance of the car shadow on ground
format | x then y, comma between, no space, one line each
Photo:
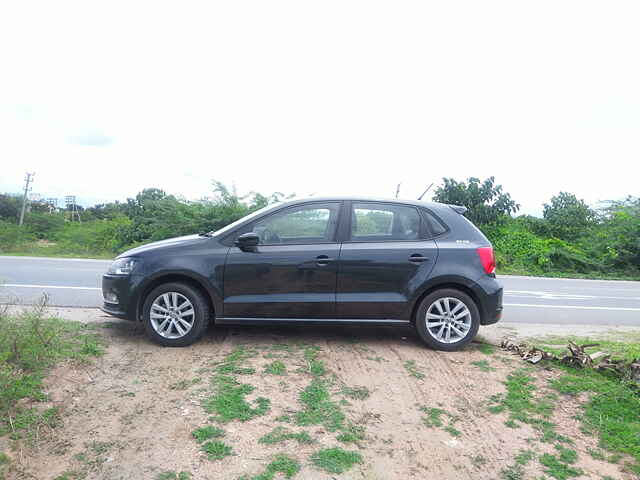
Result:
296,334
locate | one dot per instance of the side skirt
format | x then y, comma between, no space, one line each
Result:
313,321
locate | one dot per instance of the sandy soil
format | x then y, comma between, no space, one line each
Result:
130,414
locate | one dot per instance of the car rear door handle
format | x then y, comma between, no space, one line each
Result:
417,258
323,260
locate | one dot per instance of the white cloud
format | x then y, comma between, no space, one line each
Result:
331,97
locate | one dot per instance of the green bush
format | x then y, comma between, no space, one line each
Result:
12,237
519,250
44,225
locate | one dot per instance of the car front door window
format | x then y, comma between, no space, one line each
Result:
303,225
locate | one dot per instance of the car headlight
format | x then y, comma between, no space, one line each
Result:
122,266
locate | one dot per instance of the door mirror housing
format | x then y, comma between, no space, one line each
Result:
247,240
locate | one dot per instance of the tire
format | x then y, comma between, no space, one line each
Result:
171,330
462,329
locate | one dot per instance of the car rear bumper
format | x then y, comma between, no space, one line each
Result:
489,292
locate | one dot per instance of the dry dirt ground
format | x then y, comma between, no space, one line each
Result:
130,414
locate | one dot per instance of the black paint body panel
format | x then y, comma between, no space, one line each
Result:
356,282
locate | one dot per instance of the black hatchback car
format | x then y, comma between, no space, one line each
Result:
316,261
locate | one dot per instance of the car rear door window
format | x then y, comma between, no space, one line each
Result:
375,222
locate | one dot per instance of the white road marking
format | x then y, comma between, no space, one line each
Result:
47,286
579,307
561,296
56,259
586,280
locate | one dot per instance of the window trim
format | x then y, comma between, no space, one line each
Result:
227,240
347,223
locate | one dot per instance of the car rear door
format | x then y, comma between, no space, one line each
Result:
292,272
385,258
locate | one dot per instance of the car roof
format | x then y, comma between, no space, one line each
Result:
417,203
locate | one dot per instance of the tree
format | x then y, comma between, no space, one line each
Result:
617,238
568,218
485,201
10,207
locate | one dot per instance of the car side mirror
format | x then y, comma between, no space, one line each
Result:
247,240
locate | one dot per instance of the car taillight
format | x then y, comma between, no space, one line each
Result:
488,259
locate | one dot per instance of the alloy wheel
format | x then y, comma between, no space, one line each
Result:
172,315
448,320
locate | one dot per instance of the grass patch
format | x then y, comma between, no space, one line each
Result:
611,411
352,434
314,366
282,434
4,464
516,471
524,407
622,346
228,401
434,418
566,455
277,367
411,367
283,464
335,460
184,384
357,393
319,409
207,433
486,348
216,450
30,344
171,475
557,468
483,365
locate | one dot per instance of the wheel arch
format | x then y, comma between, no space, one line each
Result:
453,284
177,277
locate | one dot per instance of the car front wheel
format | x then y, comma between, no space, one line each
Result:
175,314
447,319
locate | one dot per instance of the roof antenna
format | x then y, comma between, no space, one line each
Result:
398,189
425,192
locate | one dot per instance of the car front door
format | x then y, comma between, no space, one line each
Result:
292,272
385,257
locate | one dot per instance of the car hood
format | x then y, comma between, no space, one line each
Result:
169,242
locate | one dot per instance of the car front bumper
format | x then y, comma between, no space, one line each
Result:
120,295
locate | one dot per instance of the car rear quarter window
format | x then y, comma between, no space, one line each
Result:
375,222
435,226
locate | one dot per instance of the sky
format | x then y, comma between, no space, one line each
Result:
103,99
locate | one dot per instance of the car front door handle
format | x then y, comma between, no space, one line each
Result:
417,258
323,260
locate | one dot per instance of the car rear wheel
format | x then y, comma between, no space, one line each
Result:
447,319
175,314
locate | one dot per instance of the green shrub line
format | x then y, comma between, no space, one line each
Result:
571,240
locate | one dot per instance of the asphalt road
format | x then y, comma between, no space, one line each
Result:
76,283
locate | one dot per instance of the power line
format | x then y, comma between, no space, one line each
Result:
27,180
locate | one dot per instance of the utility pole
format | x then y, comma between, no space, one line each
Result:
52,204
72,207
27,180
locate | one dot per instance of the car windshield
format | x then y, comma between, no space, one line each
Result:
231,226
